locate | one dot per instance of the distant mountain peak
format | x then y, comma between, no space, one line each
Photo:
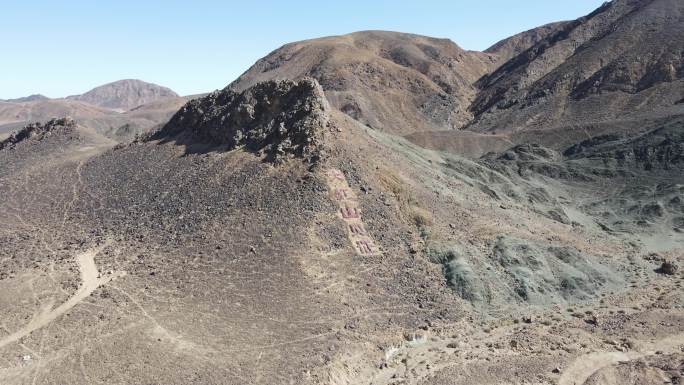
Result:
125,94
30,98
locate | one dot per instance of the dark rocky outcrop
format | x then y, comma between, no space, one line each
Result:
668,268
662,148
277,118
38,131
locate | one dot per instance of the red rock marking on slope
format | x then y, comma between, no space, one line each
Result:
350,212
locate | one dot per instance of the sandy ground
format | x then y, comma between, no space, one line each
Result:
584,366
91,280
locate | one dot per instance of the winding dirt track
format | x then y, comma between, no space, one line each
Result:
584,366
91,280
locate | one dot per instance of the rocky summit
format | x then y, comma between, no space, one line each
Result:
375,208
275,117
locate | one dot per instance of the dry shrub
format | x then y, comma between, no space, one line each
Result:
408,206
421,217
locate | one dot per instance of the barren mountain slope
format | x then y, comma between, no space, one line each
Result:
124,94
622,61
396,82
293,244
511,47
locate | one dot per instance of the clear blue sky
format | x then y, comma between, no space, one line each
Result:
66,47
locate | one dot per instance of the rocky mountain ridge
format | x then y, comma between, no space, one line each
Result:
605,66
624,59
513,46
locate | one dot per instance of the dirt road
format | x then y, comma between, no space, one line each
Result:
90,281
584,366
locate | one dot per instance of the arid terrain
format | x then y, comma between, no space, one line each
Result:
119,110
375,208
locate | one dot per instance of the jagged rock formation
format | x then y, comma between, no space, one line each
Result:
277,117
38,131
397,82
124,94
